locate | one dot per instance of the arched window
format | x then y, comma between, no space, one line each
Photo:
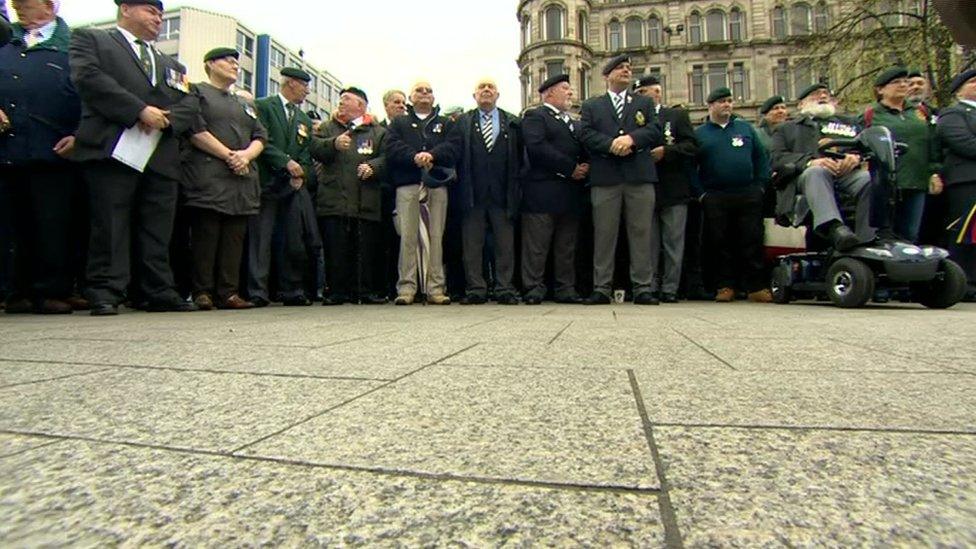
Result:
715,26
633,32
694,28
582,26
821,18
554,16
800,19
614,35
736,25
526,29
779,22
655,38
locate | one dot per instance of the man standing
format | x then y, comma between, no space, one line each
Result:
285,167
553,193
486,143
674,160
123,81
619,129
774,112
734,172
395,104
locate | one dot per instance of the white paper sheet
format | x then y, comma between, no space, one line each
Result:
136,147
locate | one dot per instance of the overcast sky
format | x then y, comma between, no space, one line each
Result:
375,45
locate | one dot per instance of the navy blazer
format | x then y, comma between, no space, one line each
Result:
600,126
957,134
553,150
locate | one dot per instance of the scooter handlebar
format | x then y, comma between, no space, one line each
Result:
840,143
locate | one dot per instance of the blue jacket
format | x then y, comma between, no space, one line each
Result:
731,159
37,94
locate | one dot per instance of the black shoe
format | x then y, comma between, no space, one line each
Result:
297,301
372,299
333,300
507,299
473,299
574,299
843,238
532,300
18,306
646,298
669,298
596,298
259,302
104,309
174,306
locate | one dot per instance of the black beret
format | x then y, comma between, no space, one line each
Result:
553,81
891,74
915,73
220,53
614,63
961,79
720,93
157,3
810,89
355,91
770,103
646,81
298,74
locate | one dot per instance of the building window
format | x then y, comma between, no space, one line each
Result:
313,85
584,85
740,81
779,22
715,26
169,30
582,26
245,44
736,25
781,78
697,85
277,58
800,19
656,72
802,77
694,28
526,79
526,29
654,33
274,88
614,38
634,33
554,22
718,76
821,18
554,68
245,80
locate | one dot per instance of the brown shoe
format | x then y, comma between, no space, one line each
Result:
18,306
203,301
761,296
725,295
236,302
78,303
438,299
53,307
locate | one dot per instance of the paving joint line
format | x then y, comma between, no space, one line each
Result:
353,340
555,337
819,428
58,378
702,347
31,449
476,324
672,532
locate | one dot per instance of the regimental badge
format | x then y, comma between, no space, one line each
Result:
438,128
250,111
630,99
639,118
177,80
668,136
738,141
302,131
365,146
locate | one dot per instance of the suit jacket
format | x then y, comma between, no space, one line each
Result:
459,154
553,151
957,135
114,90
286,141
600,126
680,148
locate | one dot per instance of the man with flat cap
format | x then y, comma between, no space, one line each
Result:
125,83
285,167
619,129
552,193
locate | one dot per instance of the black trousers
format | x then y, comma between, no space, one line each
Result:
218,244
131,215
540,233
960,200
734,225
692,275
45,201
352,249
276,218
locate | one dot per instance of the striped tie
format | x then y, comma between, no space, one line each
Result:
487,131
618,105
145,57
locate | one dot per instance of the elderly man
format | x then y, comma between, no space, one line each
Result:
773,112
801,169
619,129
125,83
39,112
486,143
553,193
395,104
285,167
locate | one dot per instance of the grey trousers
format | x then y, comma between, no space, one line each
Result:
538,231
636,203
818,186
408,218
473,233
671,223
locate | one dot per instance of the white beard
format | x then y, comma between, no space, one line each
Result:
819,110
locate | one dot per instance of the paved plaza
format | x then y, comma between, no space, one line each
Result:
693,425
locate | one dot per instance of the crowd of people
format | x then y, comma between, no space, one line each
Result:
241,202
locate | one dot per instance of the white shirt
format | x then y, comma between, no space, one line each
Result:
422,116
284,105
46,32
131,38
622,96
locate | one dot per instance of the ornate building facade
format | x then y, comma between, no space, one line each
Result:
693,46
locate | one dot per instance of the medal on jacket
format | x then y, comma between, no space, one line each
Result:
640,119
302,131
668,136
737,141
365,147
438,128
250,111
177,80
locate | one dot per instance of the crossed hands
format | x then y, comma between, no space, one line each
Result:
424,160
239,162
580,172
622,146
838,168
296,174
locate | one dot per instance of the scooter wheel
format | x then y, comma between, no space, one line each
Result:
944,291
780,284
850,283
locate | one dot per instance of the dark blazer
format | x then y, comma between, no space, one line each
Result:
957,134
460,155
553,151
409,135
114,90
675,170
286,141
600,126
5,31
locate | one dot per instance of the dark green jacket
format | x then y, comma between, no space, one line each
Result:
286,141
341,192
911,127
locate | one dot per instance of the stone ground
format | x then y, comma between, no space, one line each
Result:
687,425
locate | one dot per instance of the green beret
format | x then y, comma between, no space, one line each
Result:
553,81
770,103
157,3
220,53
810,89
355,91
915,73
720,93
887,76
297,74
614,63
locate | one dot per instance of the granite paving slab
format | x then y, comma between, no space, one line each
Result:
772,488
11,445
176,354
215,412
571,427
83,494
16,373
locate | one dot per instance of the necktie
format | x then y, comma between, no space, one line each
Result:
487,131
145,58
33,37
618,105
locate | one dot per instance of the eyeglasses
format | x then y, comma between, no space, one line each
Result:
423,90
